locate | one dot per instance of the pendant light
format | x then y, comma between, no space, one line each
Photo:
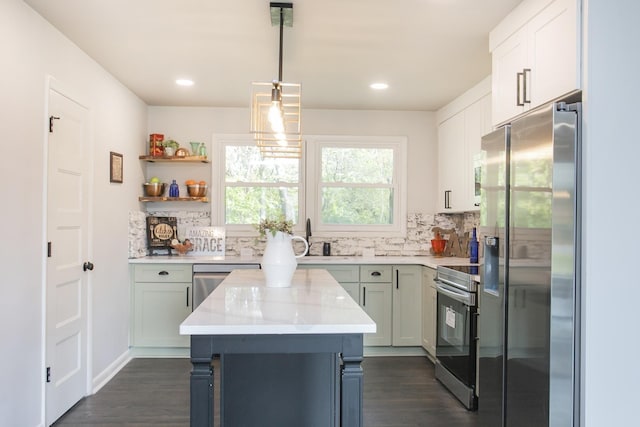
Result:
275,106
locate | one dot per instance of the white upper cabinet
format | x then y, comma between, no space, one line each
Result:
461,125
508,63
535,56
451,161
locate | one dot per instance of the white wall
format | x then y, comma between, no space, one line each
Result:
199,124
30,50
611,145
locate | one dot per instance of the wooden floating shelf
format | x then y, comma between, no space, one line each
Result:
175,159
173,199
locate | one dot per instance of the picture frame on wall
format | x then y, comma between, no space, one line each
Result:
115,167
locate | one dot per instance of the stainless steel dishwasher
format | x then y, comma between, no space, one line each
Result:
206,277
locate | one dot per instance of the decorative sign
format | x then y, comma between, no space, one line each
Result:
206,240
160,231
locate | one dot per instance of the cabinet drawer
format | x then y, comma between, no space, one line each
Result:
375,273
163,273
342,273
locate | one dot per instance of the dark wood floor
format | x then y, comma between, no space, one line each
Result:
398,392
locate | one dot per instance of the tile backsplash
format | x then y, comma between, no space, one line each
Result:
420,231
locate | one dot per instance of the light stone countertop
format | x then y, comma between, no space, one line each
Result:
427,261
242,305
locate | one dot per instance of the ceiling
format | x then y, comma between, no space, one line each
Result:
428,51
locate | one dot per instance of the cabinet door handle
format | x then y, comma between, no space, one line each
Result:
364,296
376,273
163,273
447,199
187,296
519,81
397,279
525,82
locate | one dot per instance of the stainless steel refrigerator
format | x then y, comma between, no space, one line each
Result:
529,299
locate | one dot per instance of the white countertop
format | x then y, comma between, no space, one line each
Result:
428,261
243,305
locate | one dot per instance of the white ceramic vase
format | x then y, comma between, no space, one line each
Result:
279,261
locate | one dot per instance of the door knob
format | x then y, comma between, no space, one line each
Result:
87,266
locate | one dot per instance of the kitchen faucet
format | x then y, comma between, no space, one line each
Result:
308,235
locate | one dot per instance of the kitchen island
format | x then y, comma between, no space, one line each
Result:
284,352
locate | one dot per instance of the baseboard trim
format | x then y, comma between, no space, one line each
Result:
374,351
105,376
163,352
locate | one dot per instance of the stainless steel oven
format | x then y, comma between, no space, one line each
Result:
457,332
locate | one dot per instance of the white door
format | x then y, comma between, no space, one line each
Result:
67,233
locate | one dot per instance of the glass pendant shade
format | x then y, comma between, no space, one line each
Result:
275,106
275,118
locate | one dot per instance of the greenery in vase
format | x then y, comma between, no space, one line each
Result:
273,225
171,143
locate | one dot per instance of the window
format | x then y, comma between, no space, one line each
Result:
251,188
360,184
354,185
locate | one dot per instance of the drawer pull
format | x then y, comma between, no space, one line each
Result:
163,273
376,274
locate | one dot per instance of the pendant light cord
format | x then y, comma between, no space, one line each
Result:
281,36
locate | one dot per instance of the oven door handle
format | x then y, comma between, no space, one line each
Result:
442,280
458,295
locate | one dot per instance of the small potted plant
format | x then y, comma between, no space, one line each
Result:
273,226
170,147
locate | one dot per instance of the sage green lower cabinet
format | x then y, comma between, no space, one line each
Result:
407,305
390,295
161,300
347,275
353,289
429,300
375,299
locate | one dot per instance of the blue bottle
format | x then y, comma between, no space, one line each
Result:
174,190
473,248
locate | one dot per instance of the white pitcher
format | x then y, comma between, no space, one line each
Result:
279,262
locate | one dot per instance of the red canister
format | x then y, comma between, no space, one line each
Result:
155,145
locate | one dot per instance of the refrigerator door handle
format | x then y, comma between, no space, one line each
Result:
491,265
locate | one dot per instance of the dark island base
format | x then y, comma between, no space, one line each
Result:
280,390
278,380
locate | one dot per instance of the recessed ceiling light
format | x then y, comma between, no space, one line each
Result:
184,82
379,86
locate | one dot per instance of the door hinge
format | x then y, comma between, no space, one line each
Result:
48,374
51,119
48,249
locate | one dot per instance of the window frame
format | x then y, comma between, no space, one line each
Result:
309,188
398,144
218,210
